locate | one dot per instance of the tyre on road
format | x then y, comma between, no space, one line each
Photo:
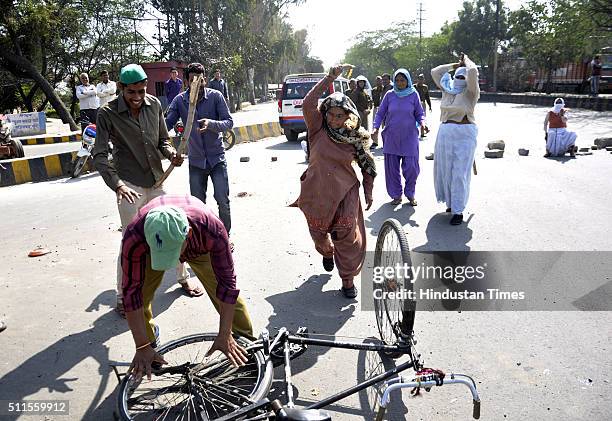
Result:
212,382
292,136
77,166
394,316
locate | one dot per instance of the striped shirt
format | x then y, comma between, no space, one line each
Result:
208,235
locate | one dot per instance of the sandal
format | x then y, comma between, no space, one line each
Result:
119,308
196,291
397,201
349,292
412,202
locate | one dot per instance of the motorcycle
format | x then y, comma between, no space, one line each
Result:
9,147
87,143
229,137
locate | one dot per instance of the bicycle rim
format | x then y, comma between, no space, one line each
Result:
211,390
394,316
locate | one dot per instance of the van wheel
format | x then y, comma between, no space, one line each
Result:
291,135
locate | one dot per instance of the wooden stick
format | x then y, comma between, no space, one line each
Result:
474,167
194,91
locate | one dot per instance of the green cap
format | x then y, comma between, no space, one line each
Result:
166,229
132,73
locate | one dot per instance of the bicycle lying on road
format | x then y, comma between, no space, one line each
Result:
194,387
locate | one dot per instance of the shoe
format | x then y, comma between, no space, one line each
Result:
328,263
457,219
155,344
349,292
448,210
397,201
412,202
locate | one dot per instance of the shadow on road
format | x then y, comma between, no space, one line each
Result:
323,312
50,368
402,213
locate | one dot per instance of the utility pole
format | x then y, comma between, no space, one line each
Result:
420,10
496,42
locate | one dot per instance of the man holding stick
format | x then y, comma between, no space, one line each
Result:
134,123
206,152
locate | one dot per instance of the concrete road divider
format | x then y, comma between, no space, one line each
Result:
72,137
43,168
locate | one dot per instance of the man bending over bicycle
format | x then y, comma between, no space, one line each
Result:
167,229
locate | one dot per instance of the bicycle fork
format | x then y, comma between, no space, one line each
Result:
401,383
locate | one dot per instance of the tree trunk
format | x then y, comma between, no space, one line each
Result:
24,65
231,94
251,85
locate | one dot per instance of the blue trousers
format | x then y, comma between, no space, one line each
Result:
198,184
409,167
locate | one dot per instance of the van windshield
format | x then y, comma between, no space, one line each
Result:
299,90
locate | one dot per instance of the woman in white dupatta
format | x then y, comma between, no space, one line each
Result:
456,140
559,140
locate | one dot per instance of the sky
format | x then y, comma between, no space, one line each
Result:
332,25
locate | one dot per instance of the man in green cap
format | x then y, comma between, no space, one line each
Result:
135,125
168,229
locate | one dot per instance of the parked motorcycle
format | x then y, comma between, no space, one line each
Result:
9,147
87,143
229,137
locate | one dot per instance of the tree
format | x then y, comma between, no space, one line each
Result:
475,32
551,33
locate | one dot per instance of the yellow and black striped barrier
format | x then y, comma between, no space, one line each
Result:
74,137
43,168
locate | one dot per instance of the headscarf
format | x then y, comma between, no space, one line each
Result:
409,88
558,107
361,78
454,86
351,133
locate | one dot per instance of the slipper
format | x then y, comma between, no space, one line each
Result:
192,292
349,292
120,308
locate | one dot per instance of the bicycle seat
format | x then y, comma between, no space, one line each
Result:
294,414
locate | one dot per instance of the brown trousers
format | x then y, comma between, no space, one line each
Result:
345,238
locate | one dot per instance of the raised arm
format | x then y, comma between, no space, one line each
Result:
438,72
310,104
472,76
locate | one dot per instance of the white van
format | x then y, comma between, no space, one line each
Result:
290,97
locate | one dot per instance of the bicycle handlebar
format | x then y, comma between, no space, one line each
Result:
400,383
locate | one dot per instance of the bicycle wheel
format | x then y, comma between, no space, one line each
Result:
194,387
394,313
229,139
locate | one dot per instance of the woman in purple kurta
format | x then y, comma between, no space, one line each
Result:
401,112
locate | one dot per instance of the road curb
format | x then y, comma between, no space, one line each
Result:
44,168
74,137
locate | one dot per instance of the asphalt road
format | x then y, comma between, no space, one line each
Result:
549,365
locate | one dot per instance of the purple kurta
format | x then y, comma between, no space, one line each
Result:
400,115
400,141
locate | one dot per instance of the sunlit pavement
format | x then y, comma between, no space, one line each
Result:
62,331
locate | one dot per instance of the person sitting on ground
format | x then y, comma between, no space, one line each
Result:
329,196
167,229
559,140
